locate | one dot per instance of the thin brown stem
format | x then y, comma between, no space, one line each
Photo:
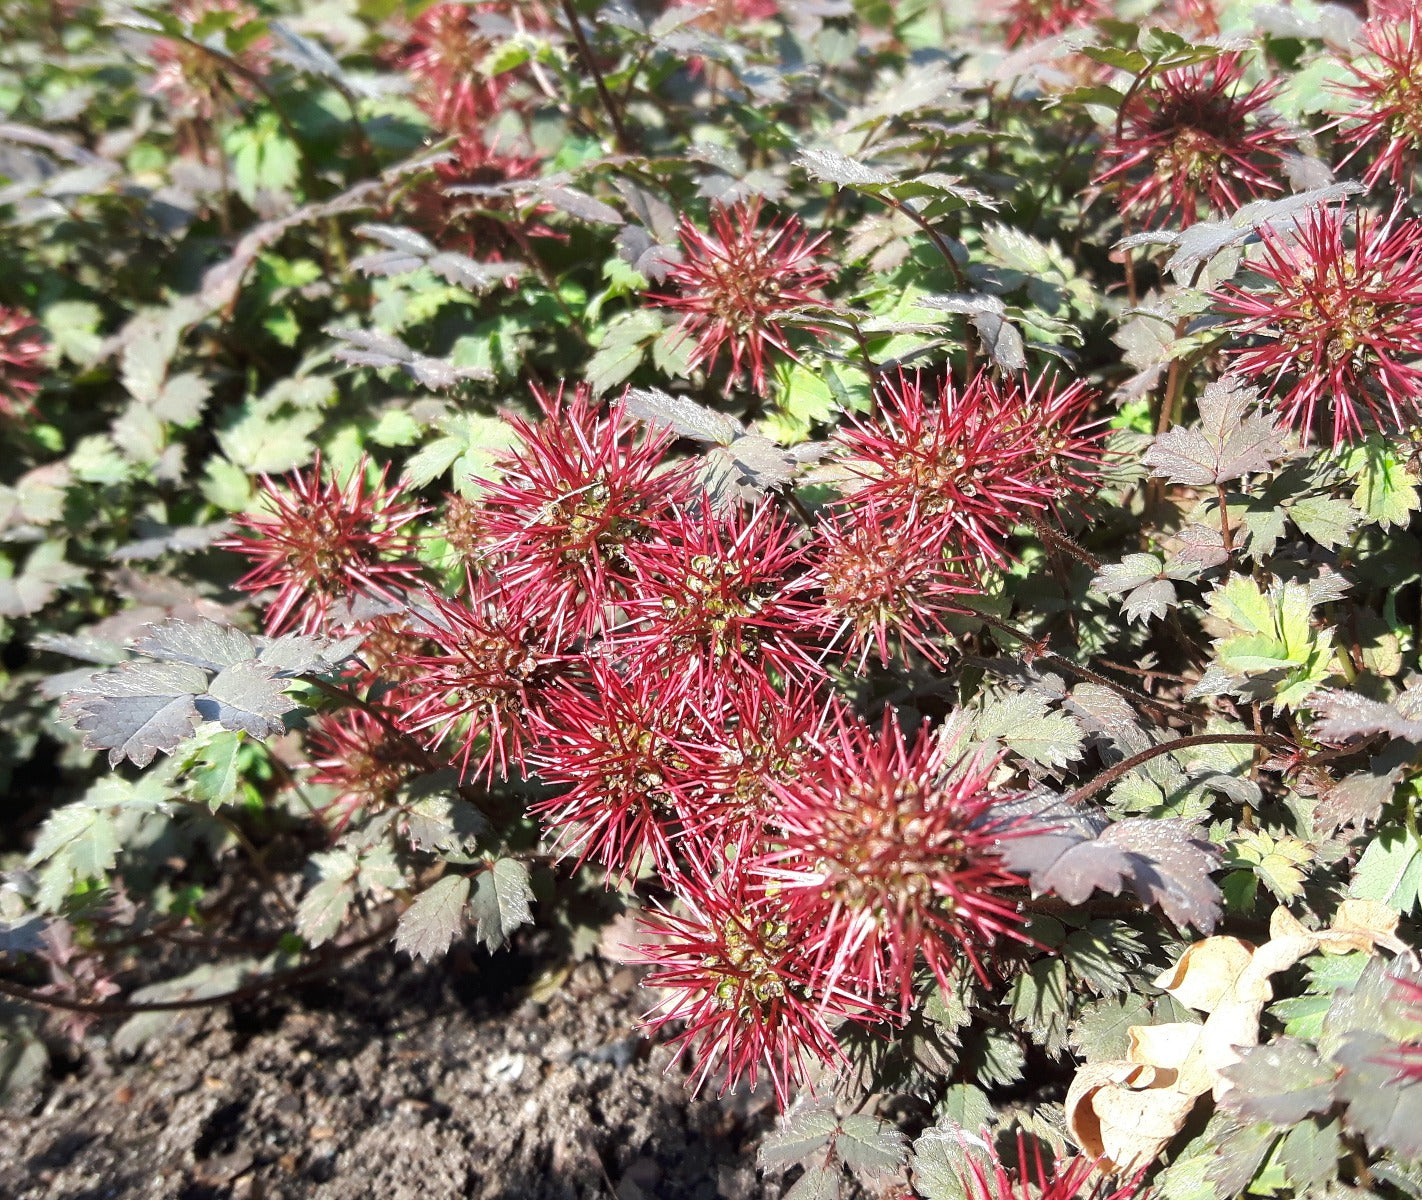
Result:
1040,651
961,280
1127,765
1226,533
624,144
122,1008
550,281
1064,542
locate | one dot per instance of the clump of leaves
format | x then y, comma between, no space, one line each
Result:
976,634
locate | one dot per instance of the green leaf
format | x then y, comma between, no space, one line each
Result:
1276,652
1100,1033
435,919
73,327
264,159
270,440
1240,1153
95,459
1091,955
324,908
1310,1152
500,903
504,57
214,775
395,427
1390,870
671,353
1328,521
1038,1003
226,486
821,1181
943,1155
1022,722
869,1147
799,1136
1185,1177
1281,1083
81,841
1386,491
1278,862
994,1058
623,346
469,450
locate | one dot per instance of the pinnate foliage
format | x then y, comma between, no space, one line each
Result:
914,508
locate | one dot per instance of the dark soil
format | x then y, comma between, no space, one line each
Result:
388,1082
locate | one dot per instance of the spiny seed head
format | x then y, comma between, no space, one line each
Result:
983,1175
960,466
463,204
481,683
363,758
444,54
737,282
319,543
616,741
881,588
1337,327
1386,88
1033,20
756,737
577,492
712,597
889,853
22,348
1196,139
733,965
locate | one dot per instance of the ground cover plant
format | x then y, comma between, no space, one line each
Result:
897,518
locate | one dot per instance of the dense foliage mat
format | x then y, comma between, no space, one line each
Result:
896,518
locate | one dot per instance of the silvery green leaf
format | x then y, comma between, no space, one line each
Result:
1281,1082
435,919
246,696
802,1133
870,1147
834,167
579,204
398,237
1165,862
1343,715
1023,722
1231,441
201,643
500,902
137,709
684,416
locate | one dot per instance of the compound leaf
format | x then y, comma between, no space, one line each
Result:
137,709
1229,443
247,696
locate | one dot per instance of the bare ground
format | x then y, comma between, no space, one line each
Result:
388,1082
